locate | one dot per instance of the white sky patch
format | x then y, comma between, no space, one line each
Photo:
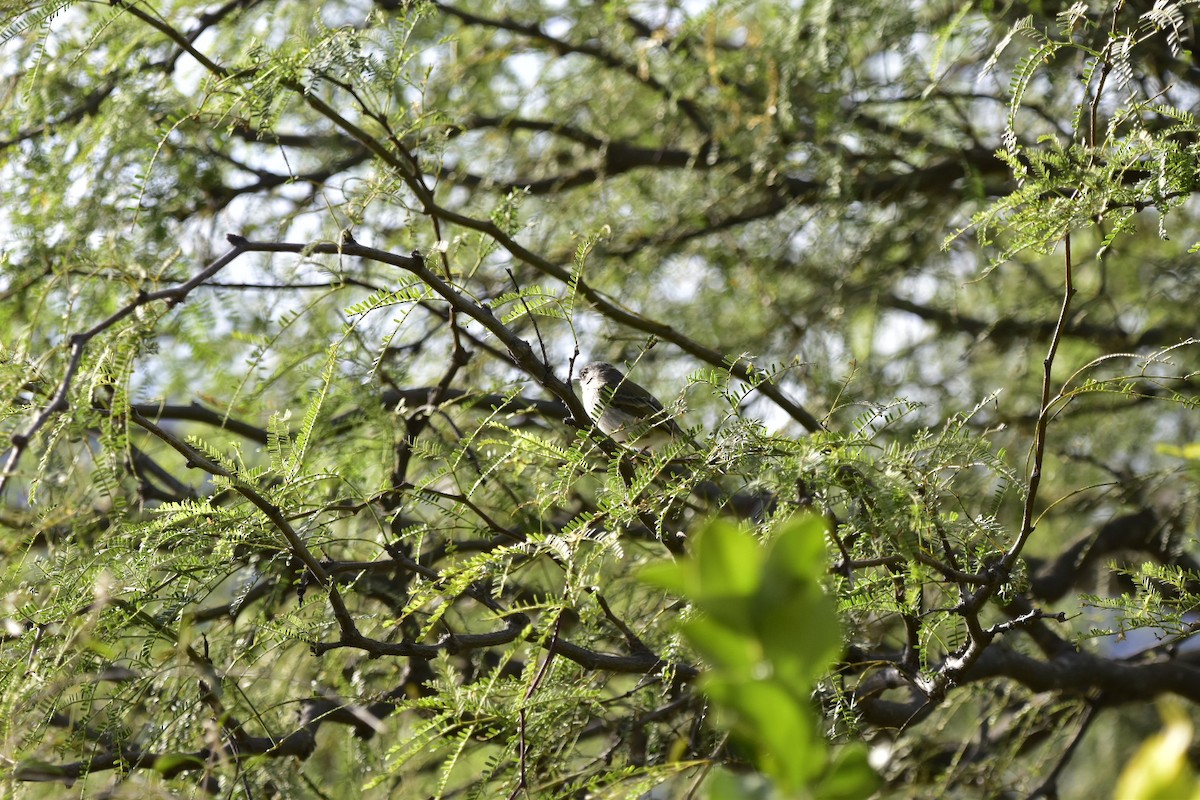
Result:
684,277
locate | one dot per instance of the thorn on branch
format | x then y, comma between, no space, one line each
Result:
449,643
1025,620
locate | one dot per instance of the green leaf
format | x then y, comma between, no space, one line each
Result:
849,776
781,729
799,549
729,562
676,577
800,636
1161,768
726,648
174,763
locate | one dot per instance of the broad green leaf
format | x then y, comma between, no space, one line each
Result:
729,563
730,650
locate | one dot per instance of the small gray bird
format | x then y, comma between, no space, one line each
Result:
622,409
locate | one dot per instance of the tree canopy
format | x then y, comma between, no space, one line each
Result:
298,496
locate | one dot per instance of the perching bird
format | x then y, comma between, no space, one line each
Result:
622,409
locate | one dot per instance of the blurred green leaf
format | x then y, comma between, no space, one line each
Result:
729,562
849,776
768,631
800,636
676,577
1161,767
726,647
781,730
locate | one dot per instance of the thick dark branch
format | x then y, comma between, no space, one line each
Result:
197,412
1077,672
641,662
391,398
1141,531
1008,329
616,158
217,199
1069,672
572,132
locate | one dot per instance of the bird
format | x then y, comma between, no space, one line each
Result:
623,409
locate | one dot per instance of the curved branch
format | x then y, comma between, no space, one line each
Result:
78,344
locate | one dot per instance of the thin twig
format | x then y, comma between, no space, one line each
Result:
1039,440
522,744
978,638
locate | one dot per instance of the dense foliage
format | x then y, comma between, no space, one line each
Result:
298,498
